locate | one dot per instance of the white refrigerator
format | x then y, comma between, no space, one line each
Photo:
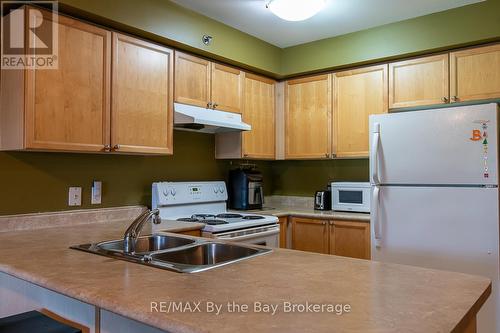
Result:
435,200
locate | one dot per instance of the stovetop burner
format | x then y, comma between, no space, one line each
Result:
188,219
229,216
214,222
219,219
253,217
203,216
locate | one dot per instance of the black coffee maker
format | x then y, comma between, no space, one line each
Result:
246,189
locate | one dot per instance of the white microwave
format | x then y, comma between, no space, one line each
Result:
351,197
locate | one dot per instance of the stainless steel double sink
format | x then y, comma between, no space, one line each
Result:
176,253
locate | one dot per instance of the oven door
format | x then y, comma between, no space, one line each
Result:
263,235
356,199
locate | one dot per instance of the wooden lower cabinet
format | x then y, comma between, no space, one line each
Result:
350,239
283,222
310,235
342,238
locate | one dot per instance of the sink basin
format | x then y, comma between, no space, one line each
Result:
206,254
147,244
178,254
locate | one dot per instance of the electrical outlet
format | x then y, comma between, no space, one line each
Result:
75,196
96,195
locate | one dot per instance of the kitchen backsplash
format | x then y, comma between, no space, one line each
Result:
68,218
304,178
274,201
38,182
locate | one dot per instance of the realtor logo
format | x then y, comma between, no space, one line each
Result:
29,37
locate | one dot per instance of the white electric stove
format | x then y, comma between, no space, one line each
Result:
205,202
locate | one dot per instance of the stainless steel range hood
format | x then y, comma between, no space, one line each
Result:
194,118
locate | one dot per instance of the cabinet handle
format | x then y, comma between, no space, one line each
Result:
331,222
215,105
327,155
209,105
116,147
107,147
454,98
445,99
324,222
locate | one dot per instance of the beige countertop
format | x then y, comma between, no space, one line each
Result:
382,297
180,226
284,210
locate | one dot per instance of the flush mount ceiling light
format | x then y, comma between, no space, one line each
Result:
295,10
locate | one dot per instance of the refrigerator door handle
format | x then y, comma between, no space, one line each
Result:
374,215
374,153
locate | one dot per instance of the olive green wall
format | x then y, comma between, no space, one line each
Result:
456,27
169,23
303,178
36,182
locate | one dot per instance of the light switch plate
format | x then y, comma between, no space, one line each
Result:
75,196
96,195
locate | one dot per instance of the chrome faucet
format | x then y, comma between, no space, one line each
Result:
134,230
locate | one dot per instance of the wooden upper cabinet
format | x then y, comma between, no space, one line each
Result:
421,81
68,108
308,106
350,239
359,93
192,80
207,84
310,235
227,88
142,104
259,113
475,74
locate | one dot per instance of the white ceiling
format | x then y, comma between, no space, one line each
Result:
338,18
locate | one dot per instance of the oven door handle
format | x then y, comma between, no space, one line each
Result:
271,232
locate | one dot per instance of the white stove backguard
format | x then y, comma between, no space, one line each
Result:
183,199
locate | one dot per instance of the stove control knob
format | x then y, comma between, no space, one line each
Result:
166,192
221,189
216,190
173,191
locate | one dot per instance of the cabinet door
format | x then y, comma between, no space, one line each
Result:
142,96
475,74
68,108
422,81
358,94
350,239
192,80
308,118
259,113
283,222
310,235
227,88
